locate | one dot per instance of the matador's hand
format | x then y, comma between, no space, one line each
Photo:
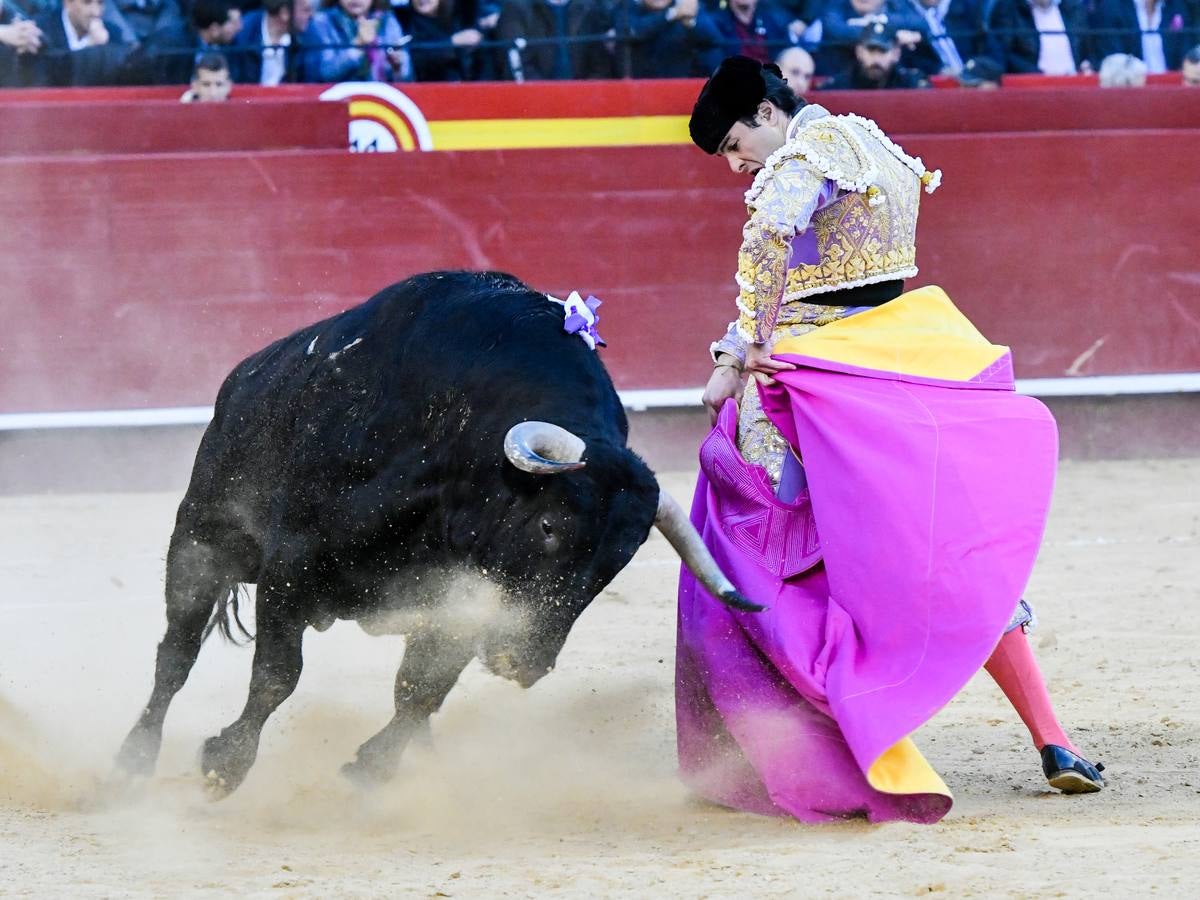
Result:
762,366
727,381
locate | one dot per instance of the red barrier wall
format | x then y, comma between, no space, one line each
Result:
136,282
144,120
128,126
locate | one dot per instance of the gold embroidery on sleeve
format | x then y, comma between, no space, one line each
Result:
782,207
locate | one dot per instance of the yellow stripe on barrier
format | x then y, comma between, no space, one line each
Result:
517,134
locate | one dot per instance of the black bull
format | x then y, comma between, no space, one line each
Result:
448,424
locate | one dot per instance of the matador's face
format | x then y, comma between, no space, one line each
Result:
746,147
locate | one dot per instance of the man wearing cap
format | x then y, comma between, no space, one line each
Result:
881,487
877,64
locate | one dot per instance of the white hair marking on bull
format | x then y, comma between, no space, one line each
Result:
336,353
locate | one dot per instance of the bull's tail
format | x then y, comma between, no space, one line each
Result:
225,617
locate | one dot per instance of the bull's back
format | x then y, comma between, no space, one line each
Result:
325,407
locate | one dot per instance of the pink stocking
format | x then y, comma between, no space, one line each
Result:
1014,668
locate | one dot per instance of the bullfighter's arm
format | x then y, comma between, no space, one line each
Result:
781,209
731,343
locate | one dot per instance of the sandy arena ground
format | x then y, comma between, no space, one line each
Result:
569,789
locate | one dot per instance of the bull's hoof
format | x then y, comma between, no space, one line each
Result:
224,763
368,772
216,787
139,754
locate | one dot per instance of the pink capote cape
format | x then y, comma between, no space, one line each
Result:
889,580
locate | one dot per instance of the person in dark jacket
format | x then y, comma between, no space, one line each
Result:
533,21
81,46
1158,32
170,55
144,17
1028,36
19,37
877,64
266,45
754,28
433,22
843,21
668,38
954,33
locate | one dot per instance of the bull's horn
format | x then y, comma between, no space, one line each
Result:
677,529
543,449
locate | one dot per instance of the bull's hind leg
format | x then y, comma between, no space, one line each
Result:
196,583
430,668
278,658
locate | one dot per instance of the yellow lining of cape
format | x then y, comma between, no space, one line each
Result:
901,769
920,333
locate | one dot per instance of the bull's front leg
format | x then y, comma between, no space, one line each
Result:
432,663
278,658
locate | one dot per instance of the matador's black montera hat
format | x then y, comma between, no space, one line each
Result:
733,92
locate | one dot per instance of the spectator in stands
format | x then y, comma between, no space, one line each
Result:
19,37
1047,36
1122,70
877,64
144,17
981,72
754,28
669,38
843,23
171,53
804,19
797,67
302,13
265,45
210,80
1190,69
438,22
355,40
483,15
81,46
1158,32
953,31
538,20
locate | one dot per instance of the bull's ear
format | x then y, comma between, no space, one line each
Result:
544,448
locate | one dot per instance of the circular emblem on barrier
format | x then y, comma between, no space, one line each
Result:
382,118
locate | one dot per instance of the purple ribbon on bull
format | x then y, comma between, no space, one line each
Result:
581,318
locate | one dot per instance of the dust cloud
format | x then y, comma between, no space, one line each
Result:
570,788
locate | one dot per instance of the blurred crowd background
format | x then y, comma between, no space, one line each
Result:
212,45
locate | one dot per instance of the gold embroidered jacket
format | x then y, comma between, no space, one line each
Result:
835,207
